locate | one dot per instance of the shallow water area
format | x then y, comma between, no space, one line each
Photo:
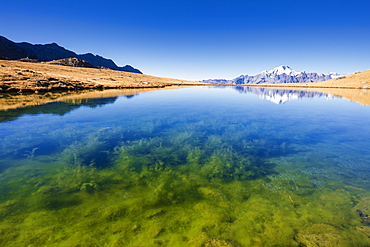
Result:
199,166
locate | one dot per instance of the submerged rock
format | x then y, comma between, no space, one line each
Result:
210,193
215,242
364,229
154,213
322,235
363,209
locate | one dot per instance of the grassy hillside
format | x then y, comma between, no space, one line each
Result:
37,77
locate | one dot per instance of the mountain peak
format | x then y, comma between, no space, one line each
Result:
283,69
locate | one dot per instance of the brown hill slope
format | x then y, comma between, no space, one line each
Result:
357,80
18,76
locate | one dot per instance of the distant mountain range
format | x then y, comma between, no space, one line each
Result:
280,96
281,74
50,52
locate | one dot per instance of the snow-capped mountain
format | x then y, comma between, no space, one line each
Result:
281,74
283,69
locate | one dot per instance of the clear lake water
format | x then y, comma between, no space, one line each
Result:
198,166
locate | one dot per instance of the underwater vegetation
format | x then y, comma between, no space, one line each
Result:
186,188
170,179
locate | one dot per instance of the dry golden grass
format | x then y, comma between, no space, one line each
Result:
30,77
359,80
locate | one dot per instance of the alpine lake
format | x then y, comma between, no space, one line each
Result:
196,166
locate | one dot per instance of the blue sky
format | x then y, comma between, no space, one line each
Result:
198,40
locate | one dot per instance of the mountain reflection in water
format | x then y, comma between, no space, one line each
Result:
280,96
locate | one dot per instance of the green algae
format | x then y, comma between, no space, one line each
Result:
175,192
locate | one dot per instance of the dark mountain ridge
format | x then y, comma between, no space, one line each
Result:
48,52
